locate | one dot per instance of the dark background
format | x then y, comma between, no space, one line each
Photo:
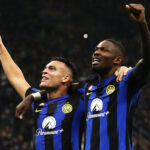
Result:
34,31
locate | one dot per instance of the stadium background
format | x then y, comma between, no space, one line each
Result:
35,30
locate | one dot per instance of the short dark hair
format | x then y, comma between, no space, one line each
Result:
68,63
119,45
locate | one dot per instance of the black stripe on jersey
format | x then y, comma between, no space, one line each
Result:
96,125
66,136
112,120
49,138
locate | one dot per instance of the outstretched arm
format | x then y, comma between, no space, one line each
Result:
137,13
13,72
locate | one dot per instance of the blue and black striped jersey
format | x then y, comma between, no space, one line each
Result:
110,106
58,122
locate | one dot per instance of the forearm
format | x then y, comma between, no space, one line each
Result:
145,37
10,68
13,72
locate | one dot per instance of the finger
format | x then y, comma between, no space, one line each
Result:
23,112
20,116
116,73
130,67
119,78
17,112
136,11
125,71
127,7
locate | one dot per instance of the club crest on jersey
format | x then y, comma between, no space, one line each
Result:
110,89
96,105
49,123
67,108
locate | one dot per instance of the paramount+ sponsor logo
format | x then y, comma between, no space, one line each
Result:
48,126
96,108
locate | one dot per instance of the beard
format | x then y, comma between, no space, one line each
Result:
101,71
97,69
48,89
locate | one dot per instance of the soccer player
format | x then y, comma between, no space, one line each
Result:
59,117
110,105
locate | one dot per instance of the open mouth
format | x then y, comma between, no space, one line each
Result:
95,61
44,78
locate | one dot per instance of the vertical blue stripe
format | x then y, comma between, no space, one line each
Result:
40,139
134,100
104,139
122,115
89,124
57,139
76,124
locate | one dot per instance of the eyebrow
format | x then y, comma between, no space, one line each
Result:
50,66
102,48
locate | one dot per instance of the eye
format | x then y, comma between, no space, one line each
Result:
103,49
52,68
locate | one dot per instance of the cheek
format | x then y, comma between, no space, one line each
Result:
108,59
56,79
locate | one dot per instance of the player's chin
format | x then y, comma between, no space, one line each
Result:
43,86
95,68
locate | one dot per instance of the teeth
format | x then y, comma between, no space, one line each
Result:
95,59
44,78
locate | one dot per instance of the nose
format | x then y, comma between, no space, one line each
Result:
44,71
96,54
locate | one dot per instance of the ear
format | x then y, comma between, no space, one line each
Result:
66,79
118,60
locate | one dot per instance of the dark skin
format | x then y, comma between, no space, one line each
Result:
106,59
26,104
141,69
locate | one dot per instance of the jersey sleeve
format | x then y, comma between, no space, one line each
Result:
127,77
31,90
133,89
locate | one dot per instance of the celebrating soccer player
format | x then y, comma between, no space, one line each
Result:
110,105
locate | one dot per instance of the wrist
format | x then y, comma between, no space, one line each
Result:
36,96
143,22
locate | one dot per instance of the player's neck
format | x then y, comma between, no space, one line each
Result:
56,93
108,74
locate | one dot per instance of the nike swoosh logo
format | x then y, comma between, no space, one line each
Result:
37,110
88,93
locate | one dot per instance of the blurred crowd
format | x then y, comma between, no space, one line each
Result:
36,31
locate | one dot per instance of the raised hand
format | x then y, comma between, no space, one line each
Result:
136,12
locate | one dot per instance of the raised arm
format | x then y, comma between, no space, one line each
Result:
137,13
13,72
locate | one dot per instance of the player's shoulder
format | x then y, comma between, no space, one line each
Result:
128,76
31,90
